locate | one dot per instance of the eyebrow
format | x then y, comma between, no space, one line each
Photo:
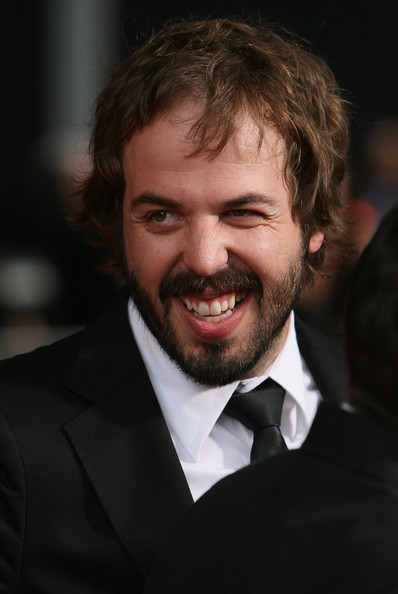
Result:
153,199
252,198
246,199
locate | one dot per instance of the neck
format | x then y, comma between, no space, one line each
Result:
272,352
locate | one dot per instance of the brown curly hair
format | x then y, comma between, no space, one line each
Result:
229,67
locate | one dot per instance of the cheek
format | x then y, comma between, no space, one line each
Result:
136,250
147,258
259,249
270,255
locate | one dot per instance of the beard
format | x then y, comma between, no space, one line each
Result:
216,364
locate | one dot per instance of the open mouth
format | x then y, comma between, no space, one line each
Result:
214,310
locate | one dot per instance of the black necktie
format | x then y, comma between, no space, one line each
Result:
260,410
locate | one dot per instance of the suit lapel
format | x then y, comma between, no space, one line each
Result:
324,354
122,440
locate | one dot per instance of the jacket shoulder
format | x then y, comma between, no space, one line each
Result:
324,353
46,360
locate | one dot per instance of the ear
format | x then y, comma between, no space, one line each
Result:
316,240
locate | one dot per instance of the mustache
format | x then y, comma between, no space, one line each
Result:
224,281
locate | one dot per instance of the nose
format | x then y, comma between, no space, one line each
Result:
205,249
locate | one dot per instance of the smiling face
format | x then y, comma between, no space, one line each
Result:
213,258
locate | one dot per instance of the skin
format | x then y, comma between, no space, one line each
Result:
200,232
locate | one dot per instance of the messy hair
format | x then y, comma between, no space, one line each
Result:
230,68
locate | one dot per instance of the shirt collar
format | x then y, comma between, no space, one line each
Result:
190,409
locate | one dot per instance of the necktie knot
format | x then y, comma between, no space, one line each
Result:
260,410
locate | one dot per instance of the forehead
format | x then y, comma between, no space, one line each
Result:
170,137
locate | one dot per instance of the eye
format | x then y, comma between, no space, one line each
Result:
245,217
163,217
242,213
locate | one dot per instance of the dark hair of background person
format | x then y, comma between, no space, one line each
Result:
230,68
372,325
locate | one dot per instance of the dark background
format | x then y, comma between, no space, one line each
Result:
358,40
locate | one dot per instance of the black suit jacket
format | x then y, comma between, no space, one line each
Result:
90,483
319,520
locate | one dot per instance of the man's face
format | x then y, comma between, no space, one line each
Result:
213,258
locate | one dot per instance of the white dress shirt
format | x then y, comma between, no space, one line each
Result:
209,444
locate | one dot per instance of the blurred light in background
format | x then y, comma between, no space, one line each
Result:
48,282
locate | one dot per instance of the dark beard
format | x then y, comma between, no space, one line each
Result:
214,366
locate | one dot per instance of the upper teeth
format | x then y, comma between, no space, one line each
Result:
216,307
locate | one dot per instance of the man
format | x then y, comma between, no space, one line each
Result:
218,155
323,518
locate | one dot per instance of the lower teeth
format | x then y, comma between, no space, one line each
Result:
214,319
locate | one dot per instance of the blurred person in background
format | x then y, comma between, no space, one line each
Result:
323,518
218,156
374,180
